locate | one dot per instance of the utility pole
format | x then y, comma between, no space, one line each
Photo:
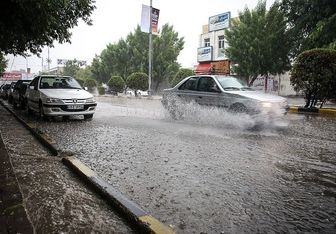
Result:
48,61
150,51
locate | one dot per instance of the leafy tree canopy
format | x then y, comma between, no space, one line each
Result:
314,73
84,73
257,43
131,55
71,68
90,84
180,75
116,84
311,23
137,80
30,25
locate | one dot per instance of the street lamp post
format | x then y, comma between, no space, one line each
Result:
150,51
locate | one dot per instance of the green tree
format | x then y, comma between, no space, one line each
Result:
311,24
116,84
3,63
136,81
98,71
84,73
131,55
314,73
71,68
30,25
101,90
180,75
254,43
90,84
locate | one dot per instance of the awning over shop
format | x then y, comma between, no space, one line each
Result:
203,68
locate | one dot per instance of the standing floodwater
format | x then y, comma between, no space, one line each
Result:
212,172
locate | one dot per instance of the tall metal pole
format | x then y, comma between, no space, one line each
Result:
48,61
150,51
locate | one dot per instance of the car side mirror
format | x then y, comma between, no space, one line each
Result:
86,88
31,87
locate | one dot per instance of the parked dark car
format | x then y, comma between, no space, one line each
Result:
19,93
4,91
10,92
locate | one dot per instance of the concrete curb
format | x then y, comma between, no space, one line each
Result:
133,212
322,111
44,139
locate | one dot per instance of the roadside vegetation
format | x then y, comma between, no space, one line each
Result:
314,73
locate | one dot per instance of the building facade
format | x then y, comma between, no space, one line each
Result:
211,51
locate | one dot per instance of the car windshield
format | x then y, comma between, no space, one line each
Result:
231,83
59,83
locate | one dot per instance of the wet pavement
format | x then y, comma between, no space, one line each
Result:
211,172
54,199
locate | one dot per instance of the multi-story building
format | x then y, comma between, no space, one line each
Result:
211,52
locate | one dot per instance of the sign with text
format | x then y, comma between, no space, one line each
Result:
221,67
64,61
218,22
11,76
145,19
204,54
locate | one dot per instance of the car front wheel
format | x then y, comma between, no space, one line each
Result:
238,108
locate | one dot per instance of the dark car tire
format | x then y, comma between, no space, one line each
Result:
88,117
14,104
238,108
41,113
30,111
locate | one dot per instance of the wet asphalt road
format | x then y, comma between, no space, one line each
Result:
211,173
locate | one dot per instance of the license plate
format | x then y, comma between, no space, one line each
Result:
75,107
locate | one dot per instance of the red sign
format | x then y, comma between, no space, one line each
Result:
11,76
155,20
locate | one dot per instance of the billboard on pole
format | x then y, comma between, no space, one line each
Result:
145,19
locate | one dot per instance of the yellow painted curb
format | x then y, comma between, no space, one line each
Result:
293,109
327,111
155,225
78,164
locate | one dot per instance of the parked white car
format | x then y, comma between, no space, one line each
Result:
52,95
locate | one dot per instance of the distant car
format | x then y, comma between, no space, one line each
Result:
4,91
19,92
142,93
221,91
52,95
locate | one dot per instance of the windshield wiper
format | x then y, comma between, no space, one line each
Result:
231,88
246,88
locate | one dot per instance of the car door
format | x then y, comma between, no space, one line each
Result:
188,90
208,92
33,94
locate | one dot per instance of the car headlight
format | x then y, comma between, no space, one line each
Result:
90,100
53,100
266,104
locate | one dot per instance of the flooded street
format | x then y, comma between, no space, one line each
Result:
211,172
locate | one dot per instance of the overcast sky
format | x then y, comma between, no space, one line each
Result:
113,20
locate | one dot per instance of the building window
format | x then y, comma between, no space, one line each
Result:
221,42
221,46
206,42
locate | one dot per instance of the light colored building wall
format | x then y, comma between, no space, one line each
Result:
213,36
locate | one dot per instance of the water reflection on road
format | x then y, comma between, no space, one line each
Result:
211,172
